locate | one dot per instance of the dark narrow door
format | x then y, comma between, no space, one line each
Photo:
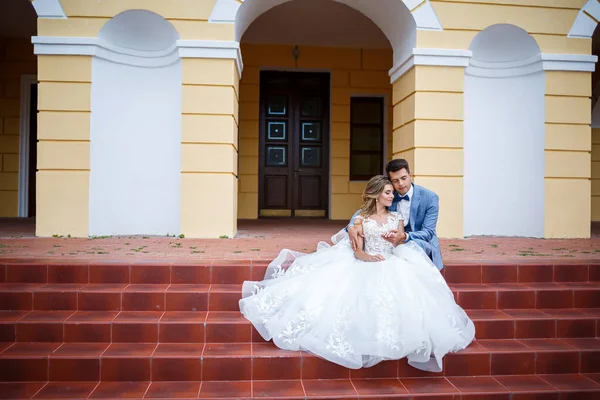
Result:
32,150
294,144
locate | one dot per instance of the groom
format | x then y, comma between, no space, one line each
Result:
418,206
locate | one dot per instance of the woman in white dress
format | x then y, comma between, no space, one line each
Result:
357,308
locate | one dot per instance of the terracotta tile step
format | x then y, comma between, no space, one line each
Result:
533,324
117,297
231,326
225,297
526,272
115,272
527,295
554,387
237,271
263,361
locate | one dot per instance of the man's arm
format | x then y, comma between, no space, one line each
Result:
352,220
428,230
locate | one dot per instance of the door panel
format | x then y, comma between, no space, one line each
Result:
294,144
309,192
276,187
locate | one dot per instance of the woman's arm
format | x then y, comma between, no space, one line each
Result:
361,255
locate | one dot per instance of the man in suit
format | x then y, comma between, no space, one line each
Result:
418,206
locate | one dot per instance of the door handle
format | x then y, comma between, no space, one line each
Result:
297,170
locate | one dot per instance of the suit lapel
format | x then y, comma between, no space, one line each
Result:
414,206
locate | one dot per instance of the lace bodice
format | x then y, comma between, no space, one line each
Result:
374,243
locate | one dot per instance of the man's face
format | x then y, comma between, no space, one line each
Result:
401,180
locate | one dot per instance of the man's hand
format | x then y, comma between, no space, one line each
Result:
394,237
354,232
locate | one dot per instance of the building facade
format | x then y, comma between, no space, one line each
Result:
182,116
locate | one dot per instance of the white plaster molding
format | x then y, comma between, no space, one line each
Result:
25,133
508,69
425,16
53,45
537,63
50,9
592,7
434,57
463,58
412,4
212,49
147,59
569,62
82,46
56,45
224,11
586,20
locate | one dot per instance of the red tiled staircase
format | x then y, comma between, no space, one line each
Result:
161,330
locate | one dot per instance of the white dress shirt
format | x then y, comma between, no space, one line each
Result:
404,206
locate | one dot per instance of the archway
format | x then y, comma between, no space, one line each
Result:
504,135
135,148
18,119
595,173
343,58
393,17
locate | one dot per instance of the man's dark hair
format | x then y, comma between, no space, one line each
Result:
397,165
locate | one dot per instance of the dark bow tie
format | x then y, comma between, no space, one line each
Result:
405,197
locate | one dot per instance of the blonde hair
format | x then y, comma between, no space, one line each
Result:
375,186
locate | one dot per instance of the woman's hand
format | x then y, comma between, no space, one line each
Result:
372,258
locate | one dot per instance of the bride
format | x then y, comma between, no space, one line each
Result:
357,308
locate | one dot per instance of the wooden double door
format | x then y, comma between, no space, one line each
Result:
294,144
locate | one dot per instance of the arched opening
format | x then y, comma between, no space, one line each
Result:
596,135
135,148
504,135
313,23
18,119
392,17
315,102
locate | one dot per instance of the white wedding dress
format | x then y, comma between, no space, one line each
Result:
357,313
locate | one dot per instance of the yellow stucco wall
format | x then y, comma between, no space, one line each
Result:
209,149
568,147
353,72
63,163
596,174
428,132
86,18
16,59
548,22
